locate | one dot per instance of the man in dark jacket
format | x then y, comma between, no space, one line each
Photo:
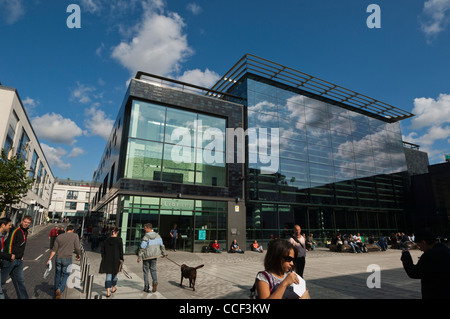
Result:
5,226
433,267
15,244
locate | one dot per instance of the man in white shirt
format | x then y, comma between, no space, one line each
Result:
299,243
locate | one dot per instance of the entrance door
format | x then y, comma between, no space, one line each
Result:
184,221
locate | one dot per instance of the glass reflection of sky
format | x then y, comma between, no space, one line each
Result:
321,143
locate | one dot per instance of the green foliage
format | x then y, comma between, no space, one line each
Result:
14,183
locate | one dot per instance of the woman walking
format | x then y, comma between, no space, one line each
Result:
112,258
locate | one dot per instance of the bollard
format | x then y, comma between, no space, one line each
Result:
90,281
85,278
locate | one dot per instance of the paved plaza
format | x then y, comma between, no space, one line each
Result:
328,275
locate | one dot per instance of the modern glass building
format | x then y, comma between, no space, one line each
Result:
342,165
336,159
165,164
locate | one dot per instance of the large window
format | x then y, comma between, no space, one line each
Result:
11,131
172,145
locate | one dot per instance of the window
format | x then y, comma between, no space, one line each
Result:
22,149
11,132
173,145
71,205
72,195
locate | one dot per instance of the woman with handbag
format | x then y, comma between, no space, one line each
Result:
112,260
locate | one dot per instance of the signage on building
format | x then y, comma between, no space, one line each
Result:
177,204
447,157
202,234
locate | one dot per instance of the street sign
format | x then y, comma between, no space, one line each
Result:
202,234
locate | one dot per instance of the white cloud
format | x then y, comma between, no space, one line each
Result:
55,128
30,104
97,123
11,10
435,17
429,111
76,151
200,78
54,156
83,94
159,44
430,128
194,8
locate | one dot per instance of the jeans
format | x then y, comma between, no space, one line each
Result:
14,269
173,242
111,280
62,273
149,264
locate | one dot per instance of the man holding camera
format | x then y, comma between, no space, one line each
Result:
432,267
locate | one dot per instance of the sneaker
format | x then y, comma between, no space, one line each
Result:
155,284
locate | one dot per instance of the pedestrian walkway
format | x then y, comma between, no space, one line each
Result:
328,275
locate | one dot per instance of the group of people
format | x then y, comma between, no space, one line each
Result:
284,262
356,242
13,243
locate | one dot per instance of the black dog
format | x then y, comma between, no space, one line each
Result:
191,273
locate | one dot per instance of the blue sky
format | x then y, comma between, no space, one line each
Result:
72,81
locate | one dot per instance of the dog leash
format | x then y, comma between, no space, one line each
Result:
173,261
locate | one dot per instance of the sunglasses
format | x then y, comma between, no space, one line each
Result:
288,258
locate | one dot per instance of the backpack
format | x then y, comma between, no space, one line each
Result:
253,289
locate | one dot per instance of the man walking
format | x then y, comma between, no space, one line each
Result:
299,243
64,246
151,247
173,237
16,244
5,226
52,236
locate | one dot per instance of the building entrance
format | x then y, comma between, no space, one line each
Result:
185,230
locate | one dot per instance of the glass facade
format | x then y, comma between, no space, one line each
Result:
198,221
339,170
172,145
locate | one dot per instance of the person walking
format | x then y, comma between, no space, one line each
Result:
16,244
151,247
432,268
300,246
173,237
52,236
5,226
65,245
112,259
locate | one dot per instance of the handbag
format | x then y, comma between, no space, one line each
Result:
121,269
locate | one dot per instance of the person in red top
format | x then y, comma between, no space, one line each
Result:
52,236
216,247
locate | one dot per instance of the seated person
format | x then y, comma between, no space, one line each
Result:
358,241
235,247
310,243
257,247
216,248
352,243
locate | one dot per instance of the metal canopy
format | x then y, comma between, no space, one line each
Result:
270,70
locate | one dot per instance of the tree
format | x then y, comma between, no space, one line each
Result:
14,183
